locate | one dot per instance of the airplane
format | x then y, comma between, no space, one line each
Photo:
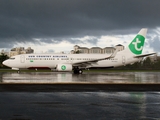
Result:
78,62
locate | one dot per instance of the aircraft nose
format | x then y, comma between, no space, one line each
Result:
6,63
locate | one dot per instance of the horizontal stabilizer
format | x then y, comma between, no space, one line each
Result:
140,56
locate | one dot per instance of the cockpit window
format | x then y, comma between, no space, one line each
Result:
11,58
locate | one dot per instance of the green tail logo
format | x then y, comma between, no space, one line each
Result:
136,46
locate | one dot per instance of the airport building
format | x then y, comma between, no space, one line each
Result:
96,50
20,50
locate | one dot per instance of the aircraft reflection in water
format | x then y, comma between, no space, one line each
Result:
61,78
54,77
36,78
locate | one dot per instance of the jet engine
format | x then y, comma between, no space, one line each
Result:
64,67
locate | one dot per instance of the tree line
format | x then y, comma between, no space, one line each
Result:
3,57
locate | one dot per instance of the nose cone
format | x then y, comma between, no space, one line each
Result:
6,63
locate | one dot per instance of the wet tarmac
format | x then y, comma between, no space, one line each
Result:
88,82
79,104
90,77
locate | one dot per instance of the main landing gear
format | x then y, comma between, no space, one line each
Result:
77,71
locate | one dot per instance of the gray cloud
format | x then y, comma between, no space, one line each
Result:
58,19
153,40
155,43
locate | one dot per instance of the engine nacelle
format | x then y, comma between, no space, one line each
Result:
64,67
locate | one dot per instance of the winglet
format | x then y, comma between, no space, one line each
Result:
114,54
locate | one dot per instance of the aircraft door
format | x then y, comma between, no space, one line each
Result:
71,60
123,60
22,59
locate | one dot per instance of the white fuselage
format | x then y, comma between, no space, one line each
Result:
76,62
52,60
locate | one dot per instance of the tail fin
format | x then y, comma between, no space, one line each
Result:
136,46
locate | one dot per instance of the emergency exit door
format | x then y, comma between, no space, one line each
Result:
123,60
22,59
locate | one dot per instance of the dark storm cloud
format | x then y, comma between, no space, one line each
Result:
24,20
4,44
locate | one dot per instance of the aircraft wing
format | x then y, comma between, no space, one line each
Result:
144,55
90,62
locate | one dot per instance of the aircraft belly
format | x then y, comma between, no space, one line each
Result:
21,65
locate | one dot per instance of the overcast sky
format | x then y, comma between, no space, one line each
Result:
58,25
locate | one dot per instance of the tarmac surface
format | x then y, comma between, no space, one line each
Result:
90,96
52,82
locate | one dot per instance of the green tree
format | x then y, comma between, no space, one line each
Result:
3,57
147,63
156,65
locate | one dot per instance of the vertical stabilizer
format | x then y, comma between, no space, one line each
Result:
136,46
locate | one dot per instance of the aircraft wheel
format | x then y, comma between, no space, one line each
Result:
80,71
75,71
